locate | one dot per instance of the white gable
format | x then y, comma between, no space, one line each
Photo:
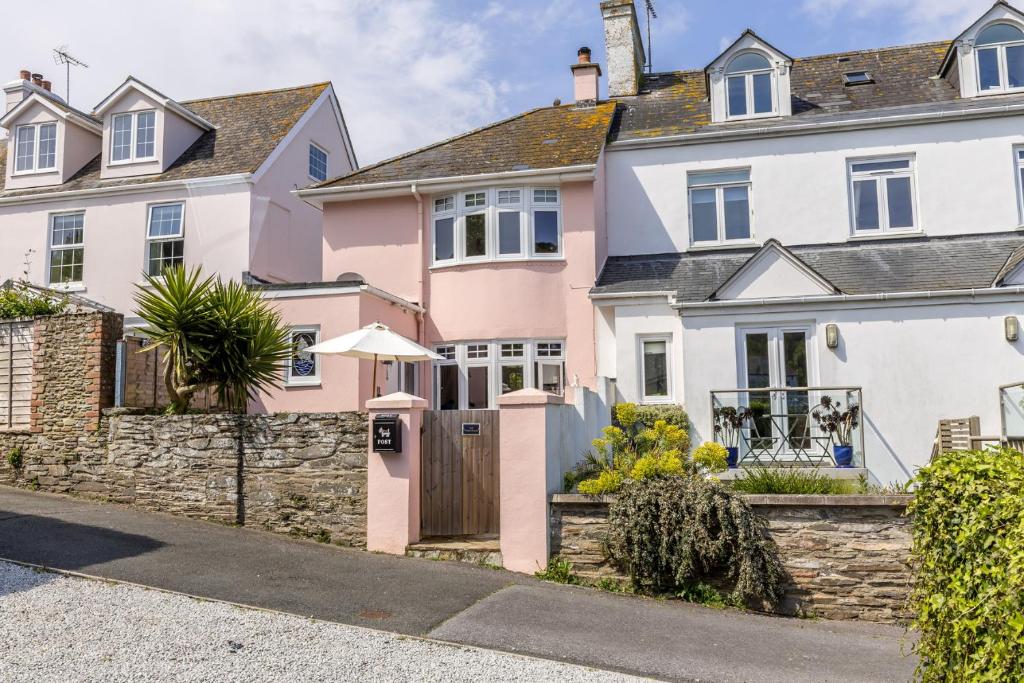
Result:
771,274
1015,277
750,42
966,62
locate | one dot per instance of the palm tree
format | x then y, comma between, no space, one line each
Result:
215,335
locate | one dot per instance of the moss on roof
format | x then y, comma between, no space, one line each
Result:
248,128
552,137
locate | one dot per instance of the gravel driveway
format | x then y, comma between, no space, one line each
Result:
60,628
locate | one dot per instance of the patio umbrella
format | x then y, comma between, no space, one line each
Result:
374,342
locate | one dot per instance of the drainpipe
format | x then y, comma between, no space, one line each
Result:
421,325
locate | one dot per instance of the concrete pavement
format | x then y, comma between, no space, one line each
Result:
447,601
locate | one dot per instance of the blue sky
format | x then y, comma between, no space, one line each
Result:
410,72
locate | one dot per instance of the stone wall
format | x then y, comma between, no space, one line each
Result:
847,556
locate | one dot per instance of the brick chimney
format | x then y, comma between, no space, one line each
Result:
47,85
624,47
585,77
17,90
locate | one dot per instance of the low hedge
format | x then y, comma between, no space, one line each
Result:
968,597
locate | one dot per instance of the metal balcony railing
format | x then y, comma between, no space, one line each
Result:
781,430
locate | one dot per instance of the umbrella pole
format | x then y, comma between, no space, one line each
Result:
373,386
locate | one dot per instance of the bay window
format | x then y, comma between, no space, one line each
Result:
882,192
719,207
472,375
35,147
496,224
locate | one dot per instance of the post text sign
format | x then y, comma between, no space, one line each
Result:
387,434
471,429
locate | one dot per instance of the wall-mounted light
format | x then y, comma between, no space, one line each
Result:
832,336
1012,328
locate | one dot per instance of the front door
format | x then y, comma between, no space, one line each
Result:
775,359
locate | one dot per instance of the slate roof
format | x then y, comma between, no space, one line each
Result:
676,103
551,137
905,265
248,128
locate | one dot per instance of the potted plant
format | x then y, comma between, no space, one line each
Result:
839,425
729,422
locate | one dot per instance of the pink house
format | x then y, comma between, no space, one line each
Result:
92,200
483,247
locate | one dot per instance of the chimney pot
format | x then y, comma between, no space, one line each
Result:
47,86
37,79
585,77
584,55
25,74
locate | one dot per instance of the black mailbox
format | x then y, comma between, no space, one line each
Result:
387,434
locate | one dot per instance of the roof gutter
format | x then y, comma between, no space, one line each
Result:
972,293
810,128
189,183
396,188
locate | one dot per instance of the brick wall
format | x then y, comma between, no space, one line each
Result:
847,556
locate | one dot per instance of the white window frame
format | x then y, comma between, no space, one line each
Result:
748,83
327,163
303,380
1018,165
669,396
1004,73
36,130
720,206
164,238
51,248
491,210
132,148
882,188
403,386
529,361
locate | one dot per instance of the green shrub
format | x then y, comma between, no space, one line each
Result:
558,571
705,594
14,458
783,480
671,533
670,413
606,482
19,303
968,598
711,456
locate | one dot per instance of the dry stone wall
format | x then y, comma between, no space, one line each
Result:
847,556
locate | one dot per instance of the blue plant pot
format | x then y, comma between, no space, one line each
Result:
733,458
844,455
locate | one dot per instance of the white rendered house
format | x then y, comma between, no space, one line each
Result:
845,225
92,201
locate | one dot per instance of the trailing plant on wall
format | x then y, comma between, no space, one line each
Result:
675,532
968,597
216,334
21,303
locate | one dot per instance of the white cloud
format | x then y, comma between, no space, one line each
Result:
919,20
407,73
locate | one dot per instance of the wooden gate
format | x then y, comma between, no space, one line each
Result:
459,473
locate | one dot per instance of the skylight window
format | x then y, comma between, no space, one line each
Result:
857,78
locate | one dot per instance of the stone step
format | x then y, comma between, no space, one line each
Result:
479,550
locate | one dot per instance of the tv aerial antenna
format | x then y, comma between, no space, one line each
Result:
61,56
651,14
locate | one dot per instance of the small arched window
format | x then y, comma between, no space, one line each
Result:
749,86
999,49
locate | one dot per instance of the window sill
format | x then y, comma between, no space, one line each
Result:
719,246
34,172
130,162
300,384
660,401
902,234
497,262
68,287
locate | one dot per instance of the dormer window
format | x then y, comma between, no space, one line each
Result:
35,148
1000,56
133,137
749,86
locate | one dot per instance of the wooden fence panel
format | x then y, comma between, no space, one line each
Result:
15,374
459,474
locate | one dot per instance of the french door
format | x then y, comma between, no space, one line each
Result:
775,359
